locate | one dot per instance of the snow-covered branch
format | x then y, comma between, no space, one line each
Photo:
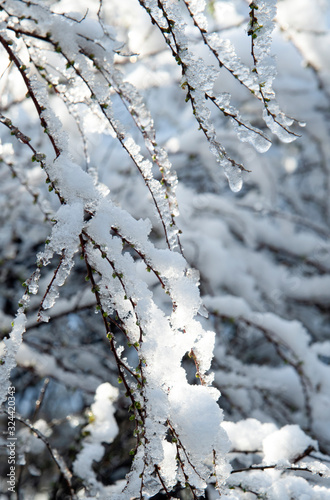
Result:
155,311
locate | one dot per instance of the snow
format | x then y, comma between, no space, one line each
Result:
103,428
249,434
286,444
188,412
75,185
168,464
241,289
69,221
11,345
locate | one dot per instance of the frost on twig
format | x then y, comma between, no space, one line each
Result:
112,244
198,78
282,451
261,26
144,291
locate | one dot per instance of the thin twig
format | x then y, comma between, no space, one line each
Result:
57,458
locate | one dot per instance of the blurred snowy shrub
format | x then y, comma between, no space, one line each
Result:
199,290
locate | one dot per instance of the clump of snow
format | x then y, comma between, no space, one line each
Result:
249,434
8,360
189,409
286,444
65,233
103,428
74,184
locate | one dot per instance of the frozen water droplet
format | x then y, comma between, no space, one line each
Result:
253,136
50,298
33,282
279,128
234,176
43,317
202,311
